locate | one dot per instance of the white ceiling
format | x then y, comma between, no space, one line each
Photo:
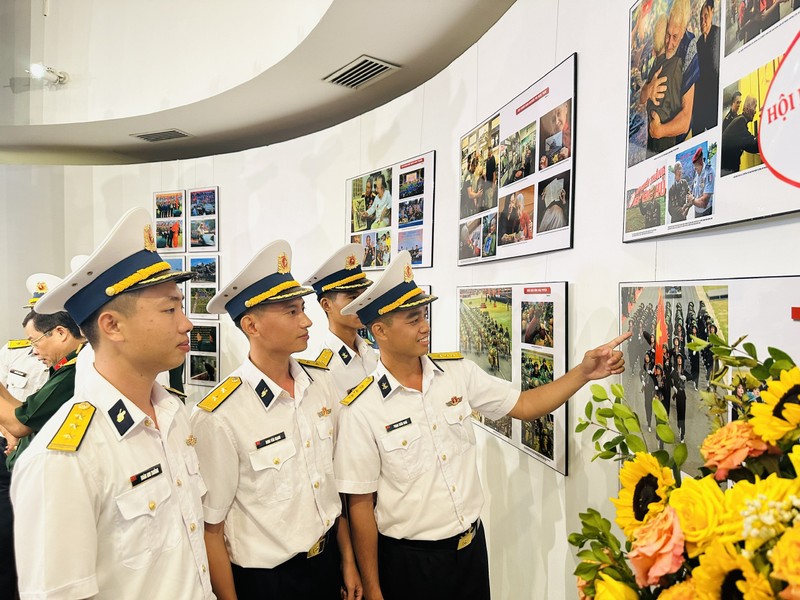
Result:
285,101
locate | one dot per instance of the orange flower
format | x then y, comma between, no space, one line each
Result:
658,548
729,446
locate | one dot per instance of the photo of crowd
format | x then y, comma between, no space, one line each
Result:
537,435
203,234
169,204
203,369
743,101
411,240
674,74
555,143
372,201
485,328
479,168
747,19
204,269
660,365
203,202
537,324
518,155
553,207
412,183
169,235
470,239
515,221
411,213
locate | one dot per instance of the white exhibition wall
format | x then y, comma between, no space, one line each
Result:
295,190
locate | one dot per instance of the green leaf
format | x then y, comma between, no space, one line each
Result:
750,349
588,410
598,391
597,435
622,411
662,456
779,355
680,454
665,433
781,365
739,341
720,351
602,420
586,571
697,344
635,443
632,425
607,454
660,411
581,426
617,390
605,412
612,443
716,340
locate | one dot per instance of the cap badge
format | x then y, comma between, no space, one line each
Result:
408,274
283,263
351,262
149,240
41,286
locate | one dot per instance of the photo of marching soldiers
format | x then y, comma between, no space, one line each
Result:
537,369
659,363
485,328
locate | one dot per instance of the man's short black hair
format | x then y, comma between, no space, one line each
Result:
45,323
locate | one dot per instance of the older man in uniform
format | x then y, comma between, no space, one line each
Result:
265,441
406,434
107,498
338,282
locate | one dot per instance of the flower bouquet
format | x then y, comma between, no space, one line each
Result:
734,531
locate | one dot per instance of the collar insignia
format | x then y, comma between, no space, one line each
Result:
120,417
385,386
345,355
283,263
149,241
263,391
453,401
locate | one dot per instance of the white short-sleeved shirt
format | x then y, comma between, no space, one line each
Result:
121,517
269,468
348,368
21,372
417,450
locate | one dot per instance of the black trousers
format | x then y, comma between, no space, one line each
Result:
434,570
8,570
299,578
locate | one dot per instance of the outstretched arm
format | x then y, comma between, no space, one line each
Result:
596,364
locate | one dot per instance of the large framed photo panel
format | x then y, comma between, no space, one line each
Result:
391,209
519,333
699,76
169,209
663,316
517,173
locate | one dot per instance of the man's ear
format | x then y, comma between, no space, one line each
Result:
325,303
111,324
378,329
249,326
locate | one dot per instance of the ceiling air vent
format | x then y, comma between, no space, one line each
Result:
362,71
161,136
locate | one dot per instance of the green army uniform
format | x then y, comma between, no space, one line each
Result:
40,406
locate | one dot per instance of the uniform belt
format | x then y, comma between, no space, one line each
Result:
456,542
320,545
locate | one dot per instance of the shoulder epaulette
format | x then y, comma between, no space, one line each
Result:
357,391
324,357
312,363
70,435
16,344
445,355
221,393
181,395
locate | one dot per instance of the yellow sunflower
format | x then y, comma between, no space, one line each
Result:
684,590
731,521
785,557
724,574
779,414
645,484
699,504
767,509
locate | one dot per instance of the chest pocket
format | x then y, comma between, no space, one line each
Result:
199,488
325,434
17,380
274,467
459,420
145,523
404,452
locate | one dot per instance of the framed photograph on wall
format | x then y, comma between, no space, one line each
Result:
203,219
694,114
205,269
169,209
202,362
517,173
518,333
198,298
390,209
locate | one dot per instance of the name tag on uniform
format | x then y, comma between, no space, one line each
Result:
466,539
398,425
145,475
15,372
270,440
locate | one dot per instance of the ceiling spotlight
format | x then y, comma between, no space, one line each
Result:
40,71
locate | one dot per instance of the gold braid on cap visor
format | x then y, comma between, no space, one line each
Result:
400,301
137,277
344,281
270,293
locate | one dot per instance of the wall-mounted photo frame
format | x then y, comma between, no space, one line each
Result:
169,210
199,297
203,234
203,219
390,209
519,333
205,269
203,202
517,173
203,360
